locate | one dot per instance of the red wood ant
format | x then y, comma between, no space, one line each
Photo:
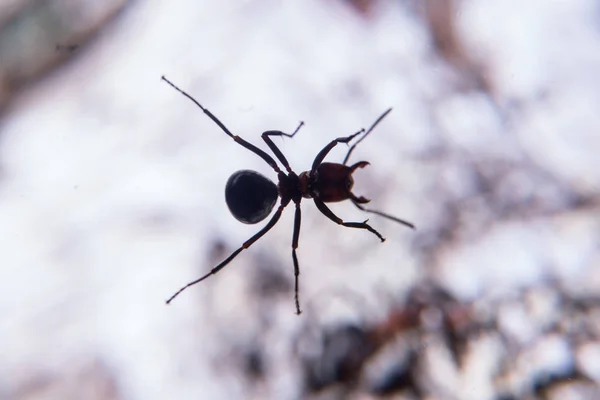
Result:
251,196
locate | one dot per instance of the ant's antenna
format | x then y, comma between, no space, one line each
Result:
366,134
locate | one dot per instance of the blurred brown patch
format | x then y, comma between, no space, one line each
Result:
36,37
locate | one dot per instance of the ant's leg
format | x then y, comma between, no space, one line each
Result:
382,214
329,214
365,135
275,149
295,239
319,158
269,160
246,244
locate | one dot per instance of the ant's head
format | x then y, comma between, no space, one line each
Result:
250,196
332,182
350,183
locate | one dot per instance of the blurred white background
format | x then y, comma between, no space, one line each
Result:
112,190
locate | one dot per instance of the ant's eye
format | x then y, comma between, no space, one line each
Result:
349,183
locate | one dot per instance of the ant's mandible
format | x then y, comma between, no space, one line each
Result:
251,196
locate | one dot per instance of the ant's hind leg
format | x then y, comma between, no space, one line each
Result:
233,255
247,145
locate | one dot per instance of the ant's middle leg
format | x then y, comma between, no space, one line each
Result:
295,238
275,149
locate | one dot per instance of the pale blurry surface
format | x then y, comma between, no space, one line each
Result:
111,187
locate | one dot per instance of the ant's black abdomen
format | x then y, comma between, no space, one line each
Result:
250,196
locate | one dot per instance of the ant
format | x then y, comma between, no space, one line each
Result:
250,196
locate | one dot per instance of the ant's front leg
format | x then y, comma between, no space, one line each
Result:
329,214
323,153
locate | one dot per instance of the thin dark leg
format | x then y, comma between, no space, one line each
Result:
321,156
268,159
295,239
361,225
365,135
246,244
275,149
382,214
